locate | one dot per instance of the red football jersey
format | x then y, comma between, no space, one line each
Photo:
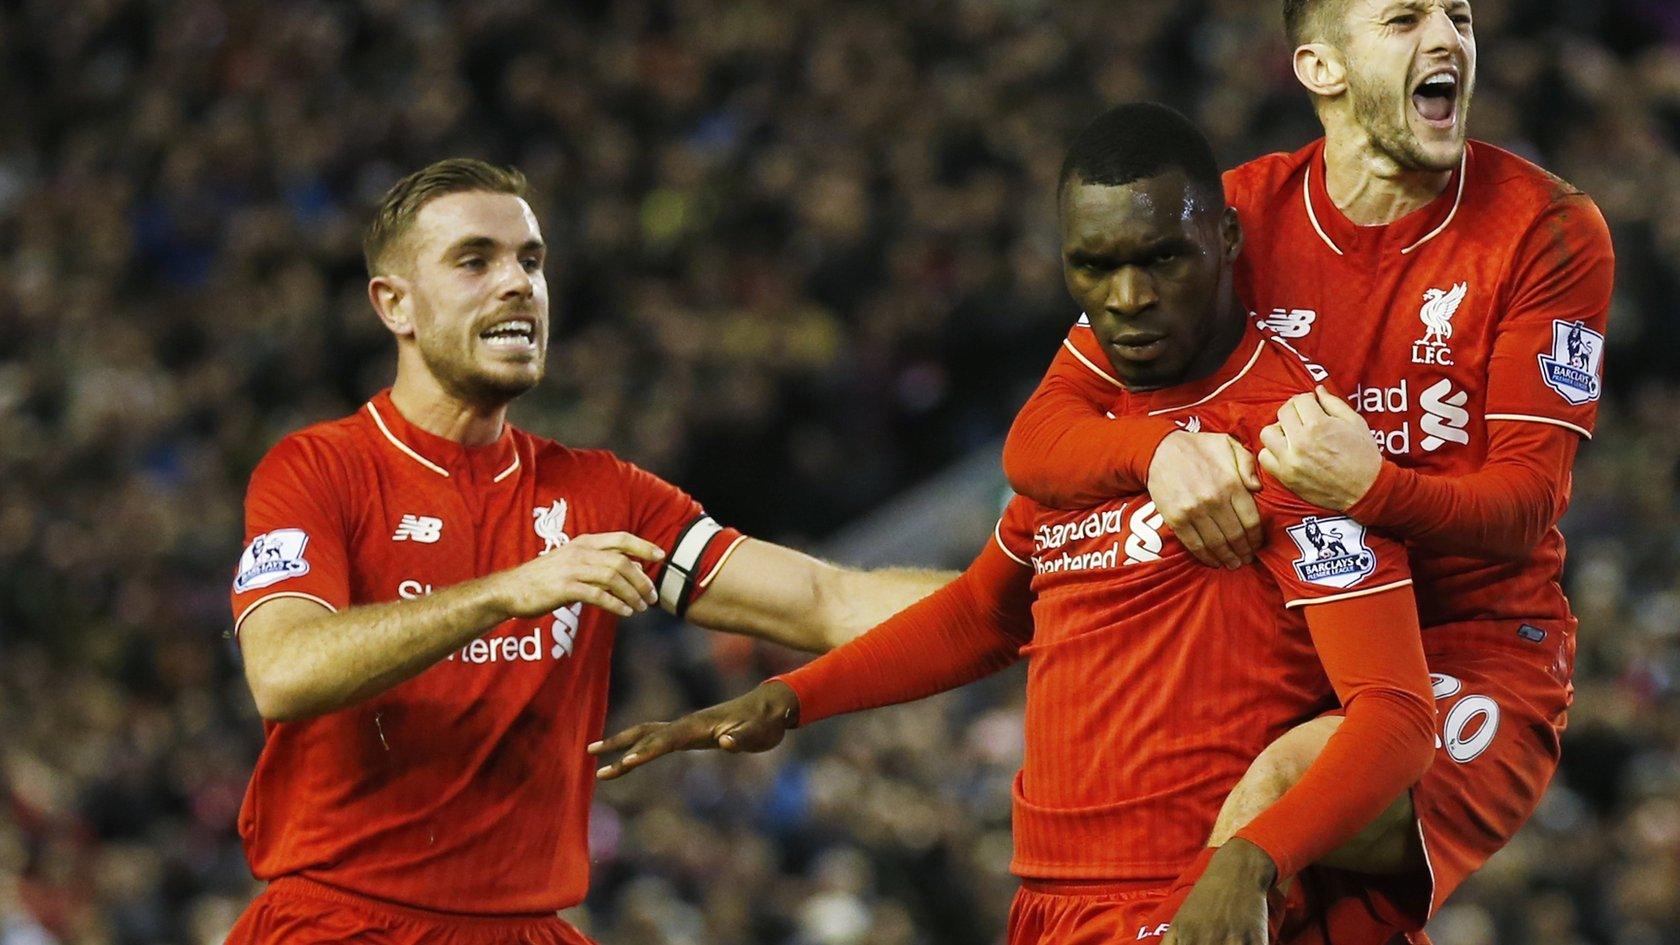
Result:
467,787
1486,306
1154,681
1508,273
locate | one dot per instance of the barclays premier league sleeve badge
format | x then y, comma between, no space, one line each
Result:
1573,368
271,558
1333,552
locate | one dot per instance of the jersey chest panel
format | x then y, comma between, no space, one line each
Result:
1406,338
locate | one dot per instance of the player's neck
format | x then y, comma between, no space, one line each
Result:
425,403
1367,185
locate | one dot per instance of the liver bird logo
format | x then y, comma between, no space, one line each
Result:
550,524
1437,312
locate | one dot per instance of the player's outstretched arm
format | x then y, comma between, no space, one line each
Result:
1322,450
970,628
785,596
1065,452
302,660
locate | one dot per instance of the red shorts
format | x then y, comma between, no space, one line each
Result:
1078,913
1086,913
1502,695
298,911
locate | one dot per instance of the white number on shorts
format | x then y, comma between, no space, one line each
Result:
1478,715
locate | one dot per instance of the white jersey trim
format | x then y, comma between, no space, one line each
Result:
1087,362
997,536
508,471
238,621
1463,174
1221,388
1530,418
1350,595
1458,198
722,559
1306,196
399,444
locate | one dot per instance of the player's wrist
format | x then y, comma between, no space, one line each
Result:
1246,864
780,702
1370,506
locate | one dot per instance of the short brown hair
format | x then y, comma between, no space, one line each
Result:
1305,20
405,198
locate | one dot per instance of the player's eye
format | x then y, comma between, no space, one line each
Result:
1404,19
474,263
531,264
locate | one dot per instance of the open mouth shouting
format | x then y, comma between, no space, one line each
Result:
514,334
1435,98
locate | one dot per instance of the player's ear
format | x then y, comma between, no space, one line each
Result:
392,301
1231,231
1321,69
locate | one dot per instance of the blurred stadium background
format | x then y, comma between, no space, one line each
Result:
805,263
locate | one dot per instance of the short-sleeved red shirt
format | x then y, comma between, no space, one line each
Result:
467,787
1153,681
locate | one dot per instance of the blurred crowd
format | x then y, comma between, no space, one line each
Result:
804,256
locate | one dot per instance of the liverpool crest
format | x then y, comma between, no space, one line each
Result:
550,525
1439,305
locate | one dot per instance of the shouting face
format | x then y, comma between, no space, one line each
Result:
1410,72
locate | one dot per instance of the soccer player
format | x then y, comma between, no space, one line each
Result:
427,601
1150,678
1461,294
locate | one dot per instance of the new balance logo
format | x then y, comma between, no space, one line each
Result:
421,528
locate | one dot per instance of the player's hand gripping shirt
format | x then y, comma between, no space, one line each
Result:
1470,335
466,788
1153,681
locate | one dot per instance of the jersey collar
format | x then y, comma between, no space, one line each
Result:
1197,392
492,462
1404,236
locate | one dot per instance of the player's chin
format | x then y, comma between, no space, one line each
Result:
508,379
1437,147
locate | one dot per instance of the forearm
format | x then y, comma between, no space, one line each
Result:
340,659
1381,749
854,601
968,629
780,595
1373,654
1064,451
1502,510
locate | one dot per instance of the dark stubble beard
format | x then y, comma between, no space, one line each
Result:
1374,111
462,379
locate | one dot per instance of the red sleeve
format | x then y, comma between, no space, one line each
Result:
1547,365
1316,555
1503,509
695,545
968,629
1372,650
1063,450
296,533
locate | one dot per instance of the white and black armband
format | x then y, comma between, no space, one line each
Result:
681,577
